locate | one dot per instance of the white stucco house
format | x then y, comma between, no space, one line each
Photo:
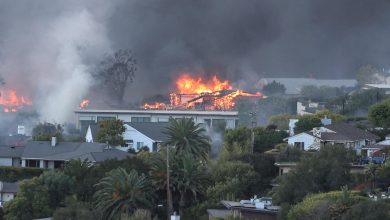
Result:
139,135
337,133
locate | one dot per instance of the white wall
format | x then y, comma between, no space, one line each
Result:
136,136
6,162
7,196
307,139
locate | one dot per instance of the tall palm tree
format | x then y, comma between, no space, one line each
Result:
187,137
121,192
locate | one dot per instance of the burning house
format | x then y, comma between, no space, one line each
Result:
197,94
10,101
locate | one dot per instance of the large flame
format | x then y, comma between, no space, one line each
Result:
12,102
198,93
190,85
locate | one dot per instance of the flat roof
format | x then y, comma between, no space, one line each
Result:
161,112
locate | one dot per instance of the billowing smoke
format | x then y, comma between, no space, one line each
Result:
49,48
48,53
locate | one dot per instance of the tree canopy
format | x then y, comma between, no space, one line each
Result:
274,88
45,131
111,132
379,114
306,123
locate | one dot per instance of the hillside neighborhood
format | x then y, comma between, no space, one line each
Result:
194,110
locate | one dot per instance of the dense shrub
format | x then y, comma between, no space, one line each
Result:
14,174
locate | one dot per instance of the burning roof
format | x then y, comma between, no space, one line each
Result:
12,102
201,94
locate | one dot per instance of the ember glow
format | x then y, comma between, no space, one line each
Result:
202,94
156,105
12,102
84,103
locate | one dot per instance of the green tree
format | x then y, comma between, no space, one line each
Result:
81,172
359,101
366,74
110,131
187,137
121,192
369,210
329,205
32,201
334,116
321,171
379,114
45,131
117,72
237,139
266,139
58,185
274,88
74,210
306,123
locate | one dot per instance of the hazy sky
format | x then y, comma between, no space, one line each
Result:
51,46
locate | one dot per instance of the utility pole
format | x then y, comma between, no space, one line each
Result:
253,122
169,194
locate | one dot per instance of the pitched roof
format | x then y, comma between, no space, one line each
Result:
9,187
351,132
95,152
9,152
329,136
153,130
14,140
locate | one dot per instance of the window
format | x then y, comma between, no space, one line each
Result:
128,143
299,145
102,118
33,163
140,119
139,145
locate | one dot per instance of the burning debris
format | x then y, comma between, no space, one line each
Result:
11,102
196,93
84,103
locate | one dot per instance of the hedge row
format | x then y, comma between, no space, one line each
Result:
14,174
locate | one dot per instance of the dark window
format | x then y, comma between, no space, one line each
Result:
140,119
33,163
154,147
58,164
299,145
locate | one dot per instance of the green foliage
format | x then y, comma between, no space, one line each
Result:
74,210
121,192
187,138
58,185
335,117
320,171
359,101
306,123
45,131
13,174
266,139
110,131
322,93
369,210
274,88
379,114
281,121
289,154
330,205
238,138
32,201
366,74
140,214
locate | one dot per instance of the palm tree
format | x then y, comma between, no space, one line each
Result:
121,192
191,177
187,137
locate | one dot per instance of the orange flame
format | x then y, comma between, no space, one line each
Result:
189,85
84,103
156,105
11,102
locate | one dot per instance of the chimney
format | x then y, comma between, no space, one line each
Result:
53,141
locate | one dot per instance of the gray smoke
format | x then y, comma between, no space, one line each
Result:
48,48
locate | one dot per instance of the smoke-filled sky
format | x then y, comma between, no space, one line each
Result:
49,48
